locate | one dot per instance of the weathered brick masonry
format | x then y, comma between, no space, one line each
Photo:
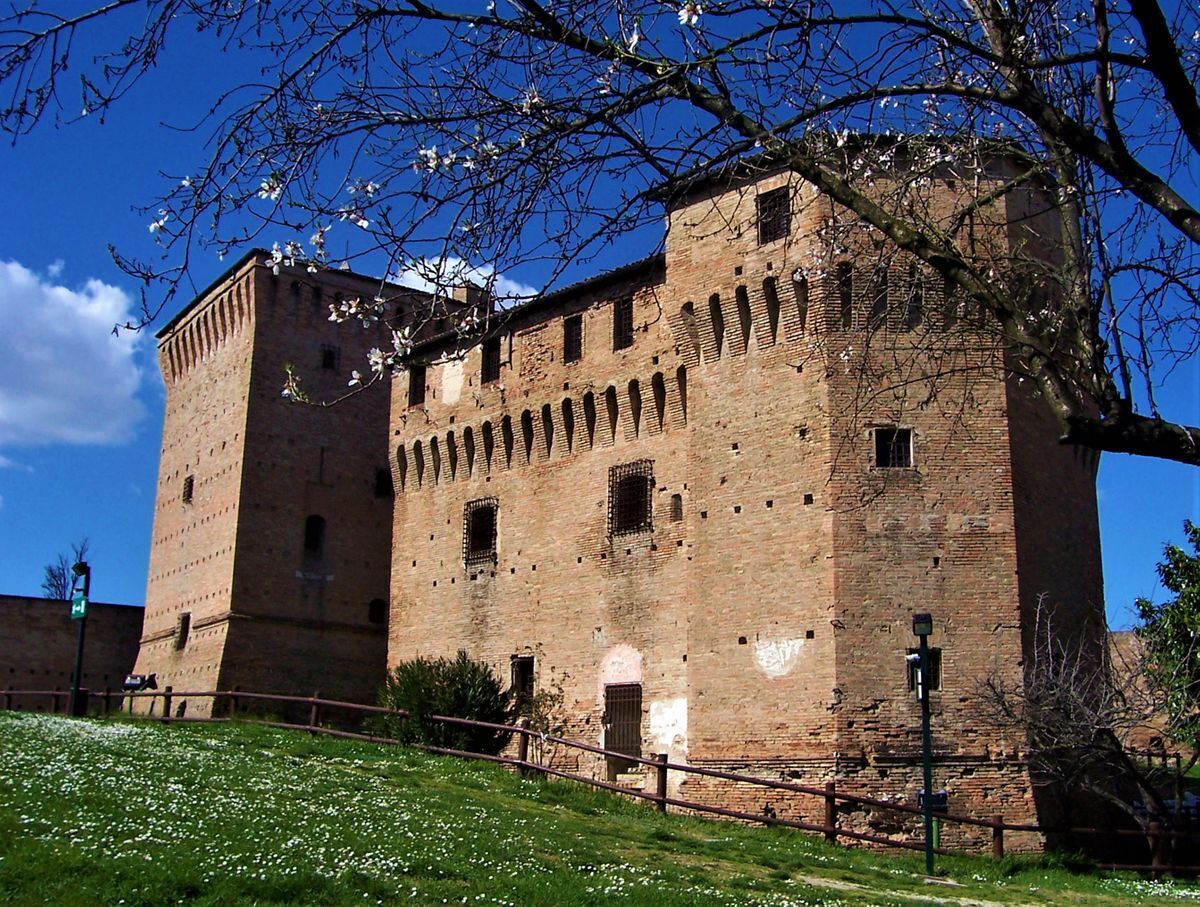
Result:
765,608
38,643
705,493
271,528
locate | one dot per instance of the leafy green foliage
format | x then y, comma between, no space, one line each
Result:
459,688
1170,635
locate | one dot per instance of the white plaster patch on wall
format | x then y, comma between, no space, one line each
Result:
668,725
452,381
621,664
777,657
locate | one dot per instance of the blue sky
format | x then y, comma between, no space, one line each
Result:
81,410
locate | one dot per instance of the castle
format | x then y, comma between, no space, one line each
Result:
703,493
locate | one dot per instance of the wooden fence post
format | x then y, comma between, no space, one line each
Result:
522,753
998,837
106,702
233,698
661,792
1178,823
314,710
54,702
830,812
1154,832
167,702
7,700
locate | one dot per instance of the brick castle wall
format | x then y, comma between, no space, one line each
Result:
770,623
38,643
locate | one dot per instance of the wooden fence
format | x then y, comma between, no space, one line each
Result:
1158,838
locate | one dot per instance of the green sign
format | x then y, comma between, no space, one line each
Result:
78,606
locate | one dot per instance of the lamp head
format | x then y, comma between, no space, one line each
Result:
922,624
81,569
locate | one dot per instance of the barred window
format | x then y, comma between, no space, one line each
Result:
630,498
622,324
935,669
893,448
572,338
490,370
189,488
416,385
479,531
774,211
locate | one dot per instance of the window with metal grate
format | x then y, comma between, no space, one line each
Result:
572,338
622,324
774,210
893,448
630,497
479,531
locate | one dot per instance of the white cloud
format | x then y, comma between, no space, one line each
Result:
6,463
64,376
443,274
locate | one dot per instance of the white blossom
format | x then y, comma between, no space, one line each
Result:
689,13
402,340
355,378
530,99
271,188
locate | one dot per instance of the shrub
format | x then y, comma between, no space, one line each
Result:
458,688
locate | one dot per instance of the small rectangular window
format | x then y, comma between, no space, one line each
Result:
189,488
329,357
377,611
935,670
893,448
314,536
416,385
774,210
572,338
522,682
630,498
383,483
182,628
479,531
490,369
622,324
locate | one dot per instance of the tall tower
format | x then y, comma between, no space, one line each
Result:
272,524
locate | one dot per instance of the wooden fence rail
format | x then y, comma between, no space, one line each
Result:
235,701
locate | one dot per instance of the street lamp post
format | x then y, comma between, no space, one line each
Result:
81,573
922,628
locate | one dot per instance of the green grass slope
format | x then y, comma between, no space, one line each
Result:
117,813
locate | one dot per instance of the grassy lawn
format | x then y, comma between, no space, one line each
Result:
116,813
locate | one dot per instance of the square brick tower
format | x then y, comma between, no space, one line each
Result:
272,524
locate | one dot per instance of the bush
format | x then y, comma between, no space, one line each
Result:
458,688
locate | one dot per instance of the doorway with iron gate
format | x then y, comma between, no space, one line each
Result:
622,725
